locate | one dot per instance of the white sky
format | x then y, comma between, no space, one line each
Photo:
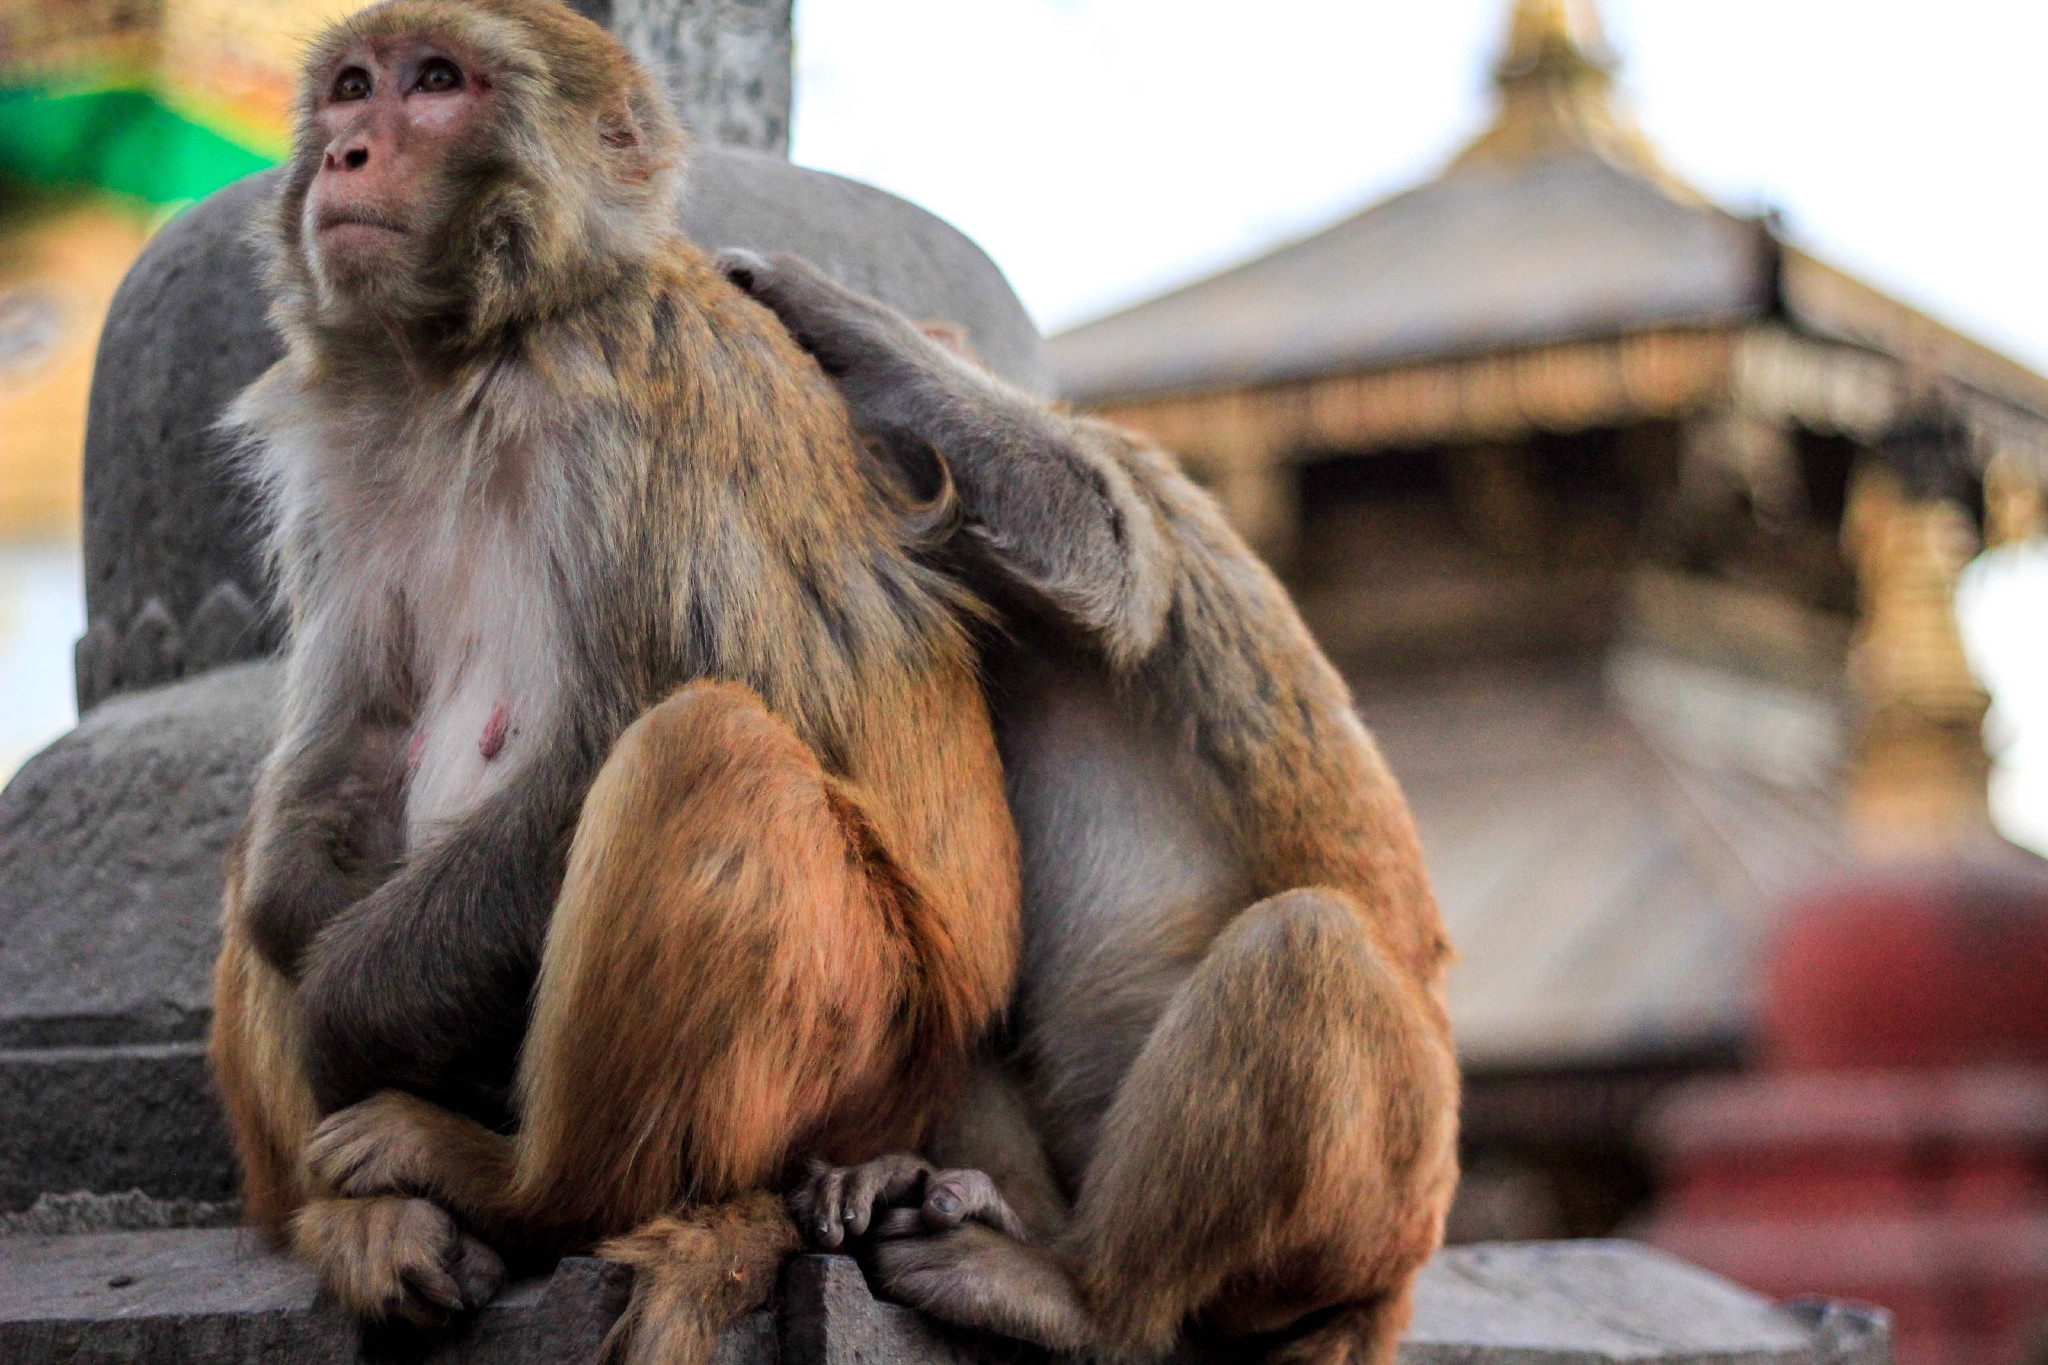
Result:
1101,150
1104,150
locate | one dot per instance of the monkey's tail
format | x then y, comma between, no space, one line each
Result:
695,1273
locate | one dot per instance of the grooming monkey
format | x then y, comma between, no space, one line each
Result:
637,824
1227,1092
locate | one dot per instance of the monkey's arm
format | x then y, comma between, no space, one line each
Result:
1052,501
323,827
422,986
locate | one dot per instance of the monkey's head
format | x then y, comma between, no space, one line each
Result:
461,165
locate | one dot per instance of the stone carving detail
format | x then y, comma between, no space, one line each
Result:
221,630
153,646
726,63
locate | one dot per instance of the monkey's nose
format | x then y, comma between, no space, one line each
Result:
351,159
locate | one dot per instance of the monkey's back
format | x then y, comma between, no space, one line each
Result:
780,560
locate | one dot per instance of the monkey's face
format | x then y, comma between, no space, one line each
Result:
464,166
394,116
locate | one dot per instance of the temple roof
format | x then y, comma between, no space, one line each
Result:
1557,223
1561,248
1610,845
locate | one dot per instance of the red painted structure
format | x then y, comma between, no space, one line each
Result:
1893,1144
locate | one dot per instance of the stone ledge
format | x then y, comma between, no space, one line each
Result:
201,1297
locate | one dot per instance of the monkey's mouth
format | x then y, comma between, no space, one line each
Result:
369,218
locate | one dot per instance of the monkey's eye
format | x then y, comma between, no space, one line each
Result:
439,76
352,84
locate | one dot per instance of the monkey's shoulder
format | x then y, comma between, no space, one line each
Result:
692,343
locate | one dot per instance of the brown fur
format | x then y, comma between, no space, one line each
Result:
742,841
1229,1097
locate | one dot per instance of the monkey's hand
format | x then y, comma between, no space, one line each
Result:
895,377
323,834
287,897
395,1143
1051,501
896,1196
392,1257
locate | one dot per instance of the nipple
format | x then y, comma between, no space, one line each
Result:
494,731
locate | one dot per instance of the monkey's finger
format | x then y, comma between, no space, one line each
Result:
478,1272
743,267
832,322
434,1284
886,1181
953,1197
826,1228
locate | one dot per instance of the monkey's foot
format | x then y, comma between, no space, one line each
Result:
976,1277
390,1257
693,1275
394,1143
910,1195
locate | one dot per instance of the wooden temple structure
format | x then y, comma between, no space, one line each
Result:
1636,528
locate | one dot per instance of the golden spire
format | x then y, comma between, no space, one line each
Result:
1556,30
1555,80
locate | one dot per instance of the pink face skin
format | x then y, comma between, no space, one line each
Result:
391,111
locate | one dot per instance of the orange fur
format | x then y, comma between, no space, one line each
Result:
1228,1095
747,813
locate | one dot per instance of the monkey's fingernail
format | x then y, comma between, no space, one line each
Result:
824,1227
849,1216
944,1203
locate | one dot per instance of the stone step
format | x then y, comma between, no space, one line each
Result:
209,1297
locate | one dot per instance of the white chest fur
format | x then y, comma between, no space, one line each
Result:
484,666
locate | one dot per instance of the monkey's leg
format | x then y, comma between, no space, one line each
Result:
383,1257
255,1055
726,975
1283,1145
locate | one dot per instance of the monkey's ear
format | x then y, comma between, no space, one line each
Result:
637,134
618,127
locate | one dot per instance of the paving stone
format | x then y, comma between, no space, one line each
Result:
193,1297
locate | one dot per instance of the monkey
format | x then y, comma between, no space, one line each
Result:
1225,1097
636,824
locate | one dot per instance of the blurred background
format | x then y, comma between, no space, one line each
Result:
1644,402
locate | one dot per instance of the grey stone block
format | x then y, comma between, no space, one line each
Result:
175,1297
111,848
1591,1302
129,1211
165,518
209,1297
173,582
111,1118
111,843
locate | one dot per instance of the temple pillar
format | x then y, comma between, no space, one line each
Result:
1917,781
2015,511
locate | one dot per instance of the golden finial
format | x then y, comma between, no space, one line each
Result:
1556,82
1557,31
